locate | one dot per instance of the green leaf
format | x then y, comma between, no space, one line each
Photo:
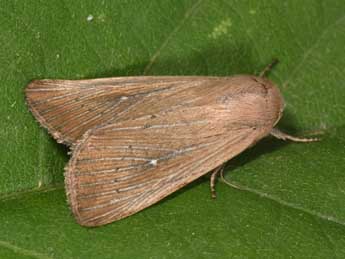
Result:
292,202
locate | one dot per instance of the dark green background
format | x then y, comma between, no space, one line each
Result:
294,197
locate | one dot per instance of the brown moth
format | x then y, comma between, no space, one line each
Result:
135,140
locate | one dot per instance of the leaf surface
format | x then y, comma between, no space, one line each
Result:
292,202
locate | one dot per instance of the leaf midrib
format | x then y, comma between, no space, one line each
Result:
253,191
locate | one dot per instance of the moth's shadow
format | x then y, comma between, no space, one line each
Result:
265,146
220,59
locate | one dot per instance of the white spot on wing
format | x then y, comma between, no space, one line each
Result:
153,162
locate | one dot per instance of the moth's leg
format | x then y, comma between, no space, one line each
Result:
229,183
219,170
213,179
281,135
268,68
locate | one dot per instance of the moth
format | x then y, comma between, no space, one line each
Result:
135,140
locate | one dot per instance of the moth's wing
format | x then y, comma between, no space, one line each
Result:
68,108
122,168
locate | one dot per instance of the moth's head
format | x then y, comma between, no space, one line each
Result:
274,98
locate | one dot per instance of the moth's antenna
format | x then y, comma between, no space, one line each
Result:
268,68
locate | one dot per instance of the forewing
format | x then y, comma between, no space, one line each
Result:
122,168
68,108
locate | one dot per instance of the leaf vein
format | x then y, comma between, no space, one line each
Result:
189,13
292,205
23,251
